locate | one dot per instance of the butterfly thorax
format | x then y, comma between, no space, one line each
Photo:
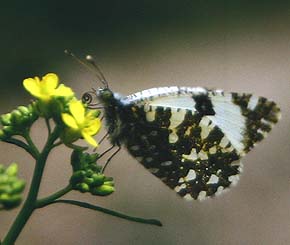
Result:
114,111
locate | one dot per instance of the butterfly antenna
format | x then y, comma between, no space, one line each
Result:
91,60
110,158
97,73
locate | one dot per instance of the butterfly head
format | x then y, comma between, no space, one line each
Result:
105,95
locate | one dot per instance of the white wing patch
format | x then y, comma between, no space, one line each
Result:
177,116
175,101
228,117
206,127
253,103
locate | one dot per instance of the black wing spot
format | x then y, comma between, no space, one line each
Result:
203,105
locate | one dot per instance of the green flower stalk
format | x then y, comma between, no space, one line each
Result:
67,121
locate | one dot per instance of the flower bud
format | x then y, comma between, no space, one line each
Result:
32,107
77,177
17,121
4,197
5,119
98,179
16,117
87,176
18,186
10,201
103,190
85,157
93,157
10,186
88,180
23,110
82,187
89,172
33,112
12,170
4,178
110,183
8,131
5,189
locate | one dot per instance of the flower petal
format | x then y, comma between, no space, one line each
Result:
32,86
50,81
63,90
69,120
93,127
90,139
77,109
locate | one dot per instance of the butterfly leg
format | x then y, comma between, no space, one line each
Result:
111,157
103,138
106,151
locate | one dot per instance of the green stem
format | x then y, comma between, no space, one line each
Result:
48,125
22,145
29,204
31,144
109,211
40,203
57,143
77,147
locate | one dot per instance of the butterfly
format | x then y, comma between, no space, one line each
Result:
191,138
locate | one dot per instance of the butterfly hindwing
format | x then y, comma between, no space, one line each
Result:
184,149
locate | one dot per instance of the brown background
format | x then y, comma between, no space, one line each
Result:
242,47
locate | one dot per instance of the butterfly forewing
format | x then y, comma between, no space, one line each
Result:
193,138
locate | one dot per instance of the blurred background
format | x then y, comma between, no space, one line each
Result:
241,46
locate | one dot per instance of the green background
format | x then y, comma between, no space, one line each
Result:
240,46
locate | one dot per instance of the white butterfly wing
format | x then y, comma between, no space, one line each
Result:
192,138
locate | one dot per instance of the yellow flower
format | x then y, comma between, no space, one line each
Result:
82,123
46,88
